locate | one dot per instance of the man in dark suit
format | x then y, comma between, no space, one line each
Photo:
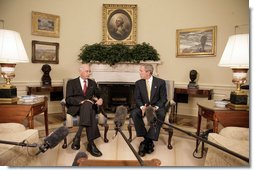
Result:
149,91
82,96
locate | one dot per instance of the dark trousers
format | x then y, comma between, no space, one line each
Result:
154,130
88,119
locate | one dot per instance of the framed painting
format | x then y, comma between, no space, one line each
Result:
45,24
119,24
45,52
196,41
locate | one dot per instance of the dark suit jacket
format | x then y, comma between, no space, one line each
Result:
74,94
158,93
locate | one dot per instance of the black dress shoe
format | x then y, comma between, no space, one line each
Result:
149,147
76,143
93,150
142,149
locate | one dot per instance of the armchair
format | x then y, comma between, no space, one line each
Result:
233,138
170,113
71,121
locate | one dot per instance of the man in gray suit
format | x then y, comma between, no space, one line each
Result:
149,91
82,96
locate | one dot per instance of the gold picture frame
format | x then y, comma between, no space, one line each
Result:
119,24
196,41
45,52
45,24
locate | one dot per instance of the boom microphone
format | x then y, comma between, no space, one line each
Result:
79,155
150,115
22,143
53,139
120,115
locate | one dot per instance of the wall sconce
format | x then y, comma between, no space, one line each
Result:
236,57
12,51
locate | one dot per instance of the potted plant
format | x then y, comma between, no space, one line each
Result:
144,52
115,53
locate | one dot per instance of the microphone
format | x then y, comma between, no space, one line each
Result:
150,115
78,156
53,139
120,116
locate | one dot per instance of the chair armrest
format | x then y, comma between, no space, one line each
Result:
238,133
169,104
63,104
172,102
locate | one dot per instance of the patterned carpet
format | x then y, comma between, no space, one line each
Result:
182,143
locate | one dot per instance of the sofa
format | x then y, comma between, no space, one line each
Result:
235,139
13,155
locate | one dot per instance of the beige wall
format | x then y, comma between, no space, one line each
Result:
81,23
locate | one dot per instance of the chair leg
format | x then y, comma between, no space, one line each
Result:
130,133
65,143
174,114
105,133
170,134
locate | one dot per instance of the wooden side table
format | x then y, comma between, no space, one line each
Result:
56,92
225,116
17,112
181,94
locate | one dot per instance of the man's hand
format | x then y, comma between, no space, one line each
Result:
99,102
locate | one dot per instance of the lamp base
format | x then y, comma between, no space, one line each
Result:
239,97
237,106
9,100
8,92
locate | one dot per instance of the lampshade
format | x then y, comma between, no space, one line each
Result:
236,53
11,47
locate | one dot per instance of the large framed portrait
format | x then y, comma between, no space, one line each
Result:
45,52
45,24
119,24
196,42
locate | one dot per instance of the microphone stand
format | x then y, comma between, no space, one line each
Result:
23,144
141,162
206,141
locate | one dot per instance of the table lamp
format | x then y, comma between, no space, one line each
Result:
12,51
236,57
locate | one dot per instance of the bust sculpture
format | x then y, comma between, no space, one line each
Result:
193,78
46,80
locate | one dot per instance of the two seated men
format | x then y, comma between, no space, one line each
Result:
82,94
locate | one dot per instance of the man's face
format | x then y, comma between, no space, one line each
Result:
143,73
85,71
119,22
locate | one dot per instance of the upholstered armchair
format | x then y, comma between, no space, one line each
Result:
170,114
235,139
71,121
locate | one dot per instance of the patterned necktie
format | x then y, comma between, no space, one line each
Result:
84,89
148,89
